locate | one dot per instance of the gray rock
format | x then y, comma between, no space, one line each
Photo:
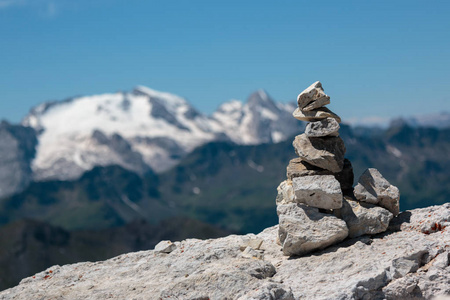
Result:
319,103
373,188
325,127
303,229
358,268
326,153
404,265
312,97
270,291
254,243
363,218
321,191
442,261
412,282
285,193
315,115
165,247
249,252
298,168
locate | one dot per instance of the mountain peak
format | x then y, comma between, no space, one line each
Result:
262,99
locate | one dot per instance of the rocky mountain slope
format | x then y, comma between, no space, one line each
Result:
17,150
144,129
410,261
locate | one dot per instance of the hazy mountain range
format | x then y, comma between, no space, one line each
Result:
140,130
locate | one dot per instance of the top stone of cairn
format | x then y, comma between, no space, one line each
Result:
311,105
313,97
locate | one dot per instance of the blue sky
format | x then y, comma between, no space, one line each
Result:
374,58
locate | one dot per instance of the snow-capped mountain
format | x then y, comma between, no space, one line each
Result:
145,129
260,120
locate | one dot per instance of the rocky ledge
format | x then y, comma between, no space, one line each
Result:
408,261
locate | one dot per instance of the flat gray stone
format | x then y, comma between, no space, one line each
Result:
373,188
321,191
363,218
298,168
326,153
303,229
315,115
312,97
325,127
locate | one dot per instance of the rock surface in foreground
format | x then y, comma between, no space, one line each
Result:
407,261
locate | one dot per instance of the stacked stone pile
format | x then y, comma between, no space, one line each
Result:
317,205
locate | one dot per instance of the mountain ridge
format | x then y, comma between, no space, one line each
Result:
241,178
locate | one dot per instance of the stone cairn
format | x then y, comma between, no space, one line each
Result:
317,205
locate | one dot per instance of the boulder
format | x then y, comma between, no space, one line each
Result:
373,188
325,127
303,229
315,115
312,97
363,218
326,153
321,191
